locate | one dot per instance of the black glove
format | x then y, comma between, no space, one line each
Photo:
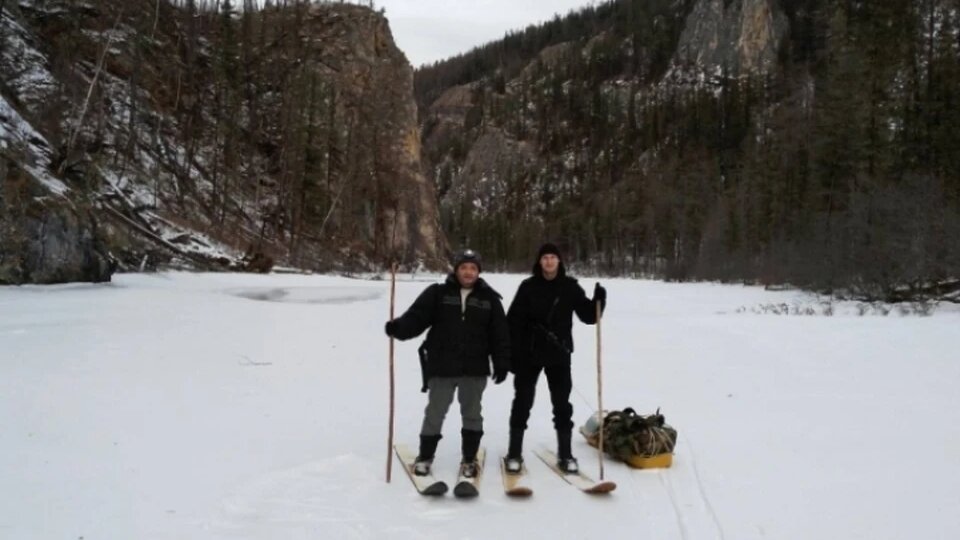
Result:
600,294
390,328
499,375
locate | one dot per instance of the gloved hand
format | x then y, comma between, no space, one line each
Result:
600,294
390,328
499,375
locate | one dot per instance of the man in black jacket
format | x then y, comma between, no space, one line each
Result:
541,318
467,326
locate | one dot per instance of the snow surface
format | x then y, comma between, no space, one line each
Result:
180,406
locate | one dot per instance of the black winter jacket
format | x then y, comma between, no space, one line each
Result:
541,318
458,344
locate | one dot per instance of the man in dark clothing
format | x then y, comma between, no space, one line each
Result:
467,326
541,319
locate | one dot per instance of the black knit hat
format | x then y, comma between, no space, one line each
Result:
549,248
465,256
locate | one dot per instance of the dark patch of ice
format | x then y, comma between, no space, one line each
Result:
307,295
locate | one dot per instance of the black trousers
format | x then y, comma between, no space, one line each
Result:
525,387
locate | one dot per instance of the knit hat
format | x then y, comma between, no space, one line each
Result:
547,249
465,256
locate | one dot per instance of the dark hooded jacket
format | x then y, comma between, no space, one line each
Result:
541,318
458,343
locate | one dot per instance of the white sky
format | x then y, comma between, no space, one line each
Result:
430,30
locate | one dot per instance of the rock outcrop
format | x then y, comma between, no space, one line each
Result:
209,140
739,36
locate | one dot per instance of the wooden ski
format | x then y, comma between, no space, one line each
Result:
426,484
579,480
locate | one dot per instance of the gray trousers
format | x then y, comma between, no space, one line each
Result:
469,392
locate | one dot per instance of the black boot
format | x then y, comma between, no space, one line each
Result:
514,460
428,447
565,460
563,444
568,465
515,448
470,444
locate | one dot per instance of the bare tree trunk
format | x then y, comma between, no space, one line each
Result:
86,102
156,20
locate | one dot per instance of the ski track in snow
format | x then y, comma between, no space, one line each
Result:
695,517
301,499
702,491
677,512
329,497
680,504
694,514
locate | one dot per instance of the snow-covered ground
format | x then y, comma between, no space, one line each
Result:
182,406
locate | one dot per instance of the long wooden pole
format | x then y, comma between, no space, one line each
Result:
393,291
600,389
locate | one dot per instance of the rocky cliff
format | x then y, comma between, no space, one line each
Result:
757,140
517,139
230,139
739,36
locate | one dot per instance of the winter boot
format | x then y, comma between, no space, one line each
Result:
468,469
421,467
563,443
513,465
428,447
515,448
514,460
565,460
470,444
568,465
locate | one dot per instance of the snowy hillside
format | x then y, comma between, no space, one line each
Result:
206,136
182,406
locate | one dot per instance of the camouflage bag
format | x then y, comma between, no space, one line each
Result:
627,434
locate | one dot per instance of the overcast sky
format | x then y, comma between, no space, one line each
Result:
430,30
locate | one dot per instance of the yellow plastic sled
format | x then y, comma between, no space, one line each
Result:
658,461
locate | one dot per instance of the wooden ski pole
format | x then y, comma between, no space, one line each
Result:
599,390
393,290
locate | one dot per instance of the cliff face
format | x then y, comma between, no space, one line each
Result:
217,140
551,139
741,36
46,238
47,235
717,139
353,48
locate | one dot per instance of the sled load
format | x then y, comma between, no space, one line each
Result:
642,442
